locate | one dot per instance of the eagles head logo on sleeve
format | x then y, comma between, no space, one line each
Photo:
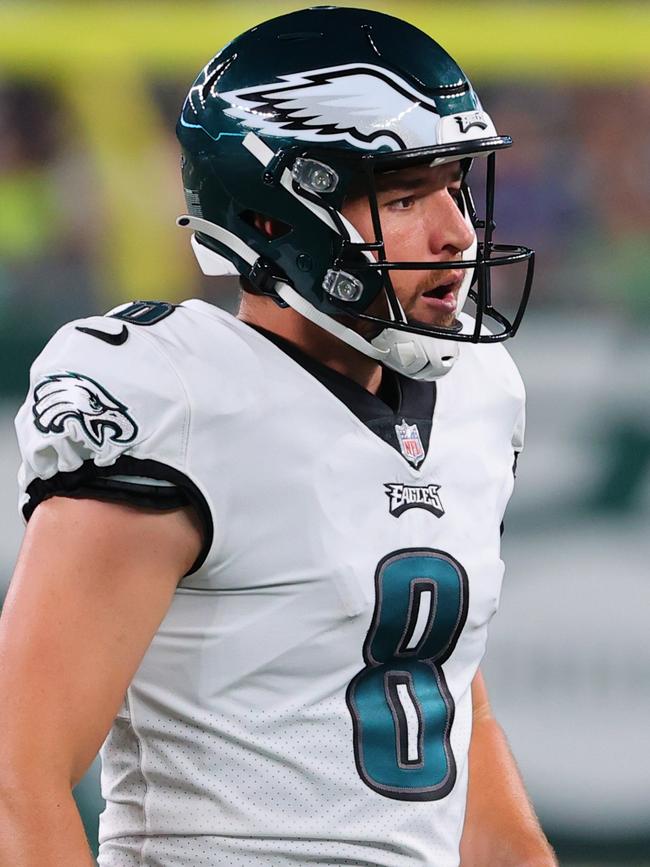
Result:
77,403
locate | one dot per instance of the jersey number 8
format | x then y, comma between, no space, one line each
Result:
401,708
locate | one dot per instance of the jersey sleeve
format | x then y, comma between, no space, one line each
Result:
109,421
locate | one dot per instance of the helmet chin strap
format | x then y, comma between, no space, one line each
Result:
413,355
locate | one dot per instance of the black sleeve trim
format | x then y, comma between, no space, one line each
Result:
133,493
89,481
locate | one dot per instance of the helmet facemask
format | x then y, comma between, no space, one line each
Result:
477,260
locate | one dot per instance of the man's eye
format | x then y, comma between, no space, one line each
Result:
402,204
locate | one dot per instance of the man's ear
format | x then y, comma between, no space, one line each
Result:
263,224
269,226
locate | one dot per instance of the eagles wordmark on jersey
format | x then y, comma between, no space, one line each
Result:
307,696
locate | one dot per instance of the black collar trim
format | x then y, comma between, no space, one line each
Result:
399,399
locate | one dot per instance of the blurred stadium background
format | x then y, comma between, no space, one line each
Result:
89,190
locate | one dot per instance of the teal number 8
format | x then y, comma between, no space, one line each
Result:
401,708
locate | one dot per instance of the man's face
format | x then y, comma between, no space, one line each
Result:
421,221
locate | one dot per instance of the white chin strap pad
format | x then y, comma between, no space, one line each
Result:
416,356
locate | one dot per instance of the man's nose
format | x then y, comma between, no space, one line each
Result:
449,233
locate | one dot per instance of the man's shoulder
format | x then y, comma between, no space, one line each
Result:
143,335
176,324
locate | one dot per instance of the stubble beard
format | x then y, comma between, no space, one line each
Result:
370,330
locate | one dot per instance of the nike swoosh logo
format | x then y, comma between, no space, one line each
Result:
114,339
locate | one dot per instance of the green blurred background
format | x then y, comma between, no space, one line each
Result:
89,191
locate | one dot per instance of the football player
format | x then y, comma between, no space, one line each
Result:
263,552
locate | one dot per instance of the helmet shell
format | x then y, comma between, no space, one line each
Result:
337,84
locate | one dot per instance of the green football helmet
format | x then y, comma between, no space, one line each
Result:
287,119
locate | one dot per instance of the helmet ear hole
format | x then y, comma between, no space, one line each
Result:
268,227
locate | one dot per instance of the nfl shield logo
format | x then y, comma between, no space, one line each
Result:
410,442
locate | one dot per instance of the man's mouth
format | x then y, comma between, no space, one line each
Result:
444,296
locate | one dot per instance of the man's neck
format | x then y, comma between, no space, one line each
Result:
311,339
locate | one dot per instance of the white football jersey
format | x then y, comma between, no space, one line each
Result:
307,698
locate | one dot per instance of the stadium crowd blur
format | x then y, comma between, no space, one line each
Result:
575,187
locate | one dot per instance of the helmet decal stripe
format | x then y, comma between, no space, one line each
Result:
364,105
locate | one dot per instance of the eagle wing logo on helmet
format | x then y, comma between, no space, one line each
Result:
363,105
72,401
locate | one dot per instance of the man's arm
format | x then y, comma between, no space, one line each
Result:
501,828
93,583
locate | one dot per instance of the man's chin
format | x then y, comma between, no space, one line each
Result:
370,330
430,312
447,321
